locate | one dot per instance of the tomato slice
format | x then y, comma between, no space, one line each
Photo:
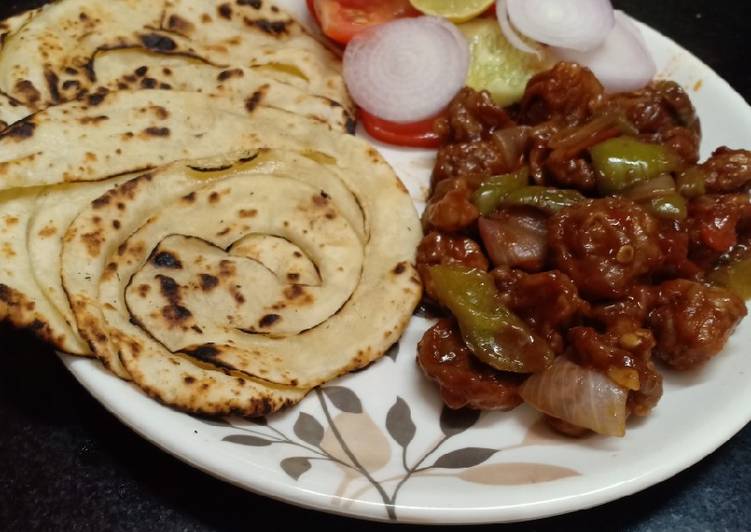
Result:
312,9
341,20
412,135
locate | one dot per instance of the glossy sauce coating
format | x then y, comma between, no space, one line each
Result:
618,283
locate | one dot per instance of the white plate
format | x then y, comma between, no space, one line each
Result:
400,461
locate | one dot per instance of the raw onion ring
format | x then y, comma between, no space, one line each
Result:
623,62
501,11
581,25
408,69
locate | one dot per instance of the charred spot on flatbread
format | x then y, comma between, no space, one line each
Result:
255,4
158,43
166,259
20,130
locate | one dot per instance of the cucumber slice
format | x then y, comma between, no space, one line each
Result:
496,66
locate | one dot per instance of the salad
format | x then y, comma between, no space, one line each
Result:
405,60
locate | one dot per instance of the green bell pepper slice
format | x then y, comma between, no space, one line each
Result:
495,335
550,200
735,276
671,206
692,182
488,197
622,162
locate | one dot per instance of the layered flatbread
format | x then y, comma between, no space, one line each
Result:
51,57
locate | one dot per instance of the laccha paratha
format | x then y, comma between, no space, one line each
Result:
30,240
220,283
11,110
179,287
50,58
113,133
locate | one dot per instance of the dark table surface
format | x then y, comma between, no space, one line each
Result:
67,464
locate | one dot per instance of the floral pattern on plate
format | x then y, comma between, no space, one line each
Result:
353,442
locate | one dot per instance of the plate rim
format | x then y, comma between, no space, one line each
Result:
213,465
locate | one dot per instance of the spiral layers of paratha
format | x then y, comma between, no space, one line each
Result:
53,56
179,199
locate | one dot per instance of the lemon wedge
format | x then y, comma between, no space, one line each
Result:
455,10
